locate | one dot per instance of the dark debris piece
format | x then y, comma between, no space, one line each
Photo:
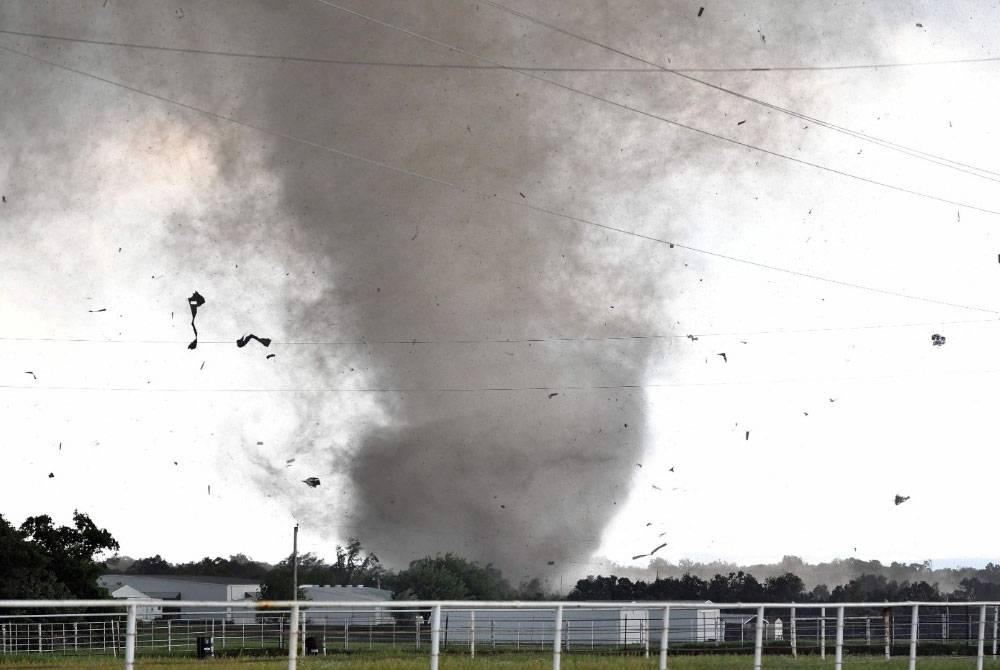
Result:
638,556
920,25
671,468
95,311
701,10
270,356
748,435
311,482
552,395
723,354
658,548
243,341
195,301
29,372
51,476
693,338
937,340
901,499
551,562
740,123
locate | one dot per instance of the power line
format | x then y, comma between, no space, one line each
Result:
500,389
487,196
523,340
915,153
464,66
655,116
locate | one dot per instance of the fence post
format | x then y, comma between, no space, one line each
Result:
982,636
795,651
913,637
347,627
996,611
758,640
416,627
472,633
130,638
435,635
886,619
838,654
76,637
822,632
293,637
664,638
557,639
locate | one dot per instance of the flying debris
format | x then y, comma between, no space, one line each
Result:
29,372
937,340
51,476
671,469
650,523
552,562
209,489
312,482
748,436
723,354
95,311
658,548
243,341
638,465
637,556
503,507
289,462
901,499
270,356
693,338
740,123
657,487
195,301
552,395
701,10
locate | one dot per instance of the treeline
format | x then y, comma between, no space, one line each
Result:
744,587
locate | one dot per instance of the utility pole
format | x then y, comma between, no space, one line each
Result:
295,563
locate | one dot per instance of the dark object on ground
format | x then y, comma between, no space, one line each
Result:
312,482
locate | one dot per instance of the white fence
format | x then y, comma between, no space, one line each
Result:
120,628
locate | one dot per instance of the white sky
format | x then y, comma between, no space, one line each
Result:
85,165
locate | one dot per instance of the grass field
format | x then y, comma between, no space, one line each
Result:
506,661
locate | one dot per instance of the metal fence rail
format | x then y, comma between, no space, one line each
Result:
296,628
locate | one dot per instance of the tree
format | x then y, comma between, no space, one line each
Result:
784,588
154,565
41,560
450,577
277,583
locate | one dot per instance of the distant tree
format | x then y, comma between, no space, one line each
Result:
784,588
41,560
153,565
450,577
277,583
354,567
534,589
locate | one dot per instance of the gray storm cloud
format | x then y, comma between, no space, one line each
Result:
464,459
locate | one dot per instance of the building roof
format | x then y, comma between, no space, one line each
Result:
346,593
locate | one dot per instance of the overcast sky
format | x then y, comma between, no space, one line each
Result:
387,222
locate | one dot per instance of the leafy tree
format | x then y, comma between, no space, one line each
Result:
450,577
41,560
785,588
154,565
277,583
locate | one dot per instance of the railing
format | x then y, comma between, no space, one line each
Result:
300,627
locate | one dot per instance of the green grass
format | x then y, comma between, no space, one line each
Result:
508,661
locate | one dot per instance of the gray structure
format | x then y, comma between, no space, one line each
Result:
362,594
689,622
182,587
